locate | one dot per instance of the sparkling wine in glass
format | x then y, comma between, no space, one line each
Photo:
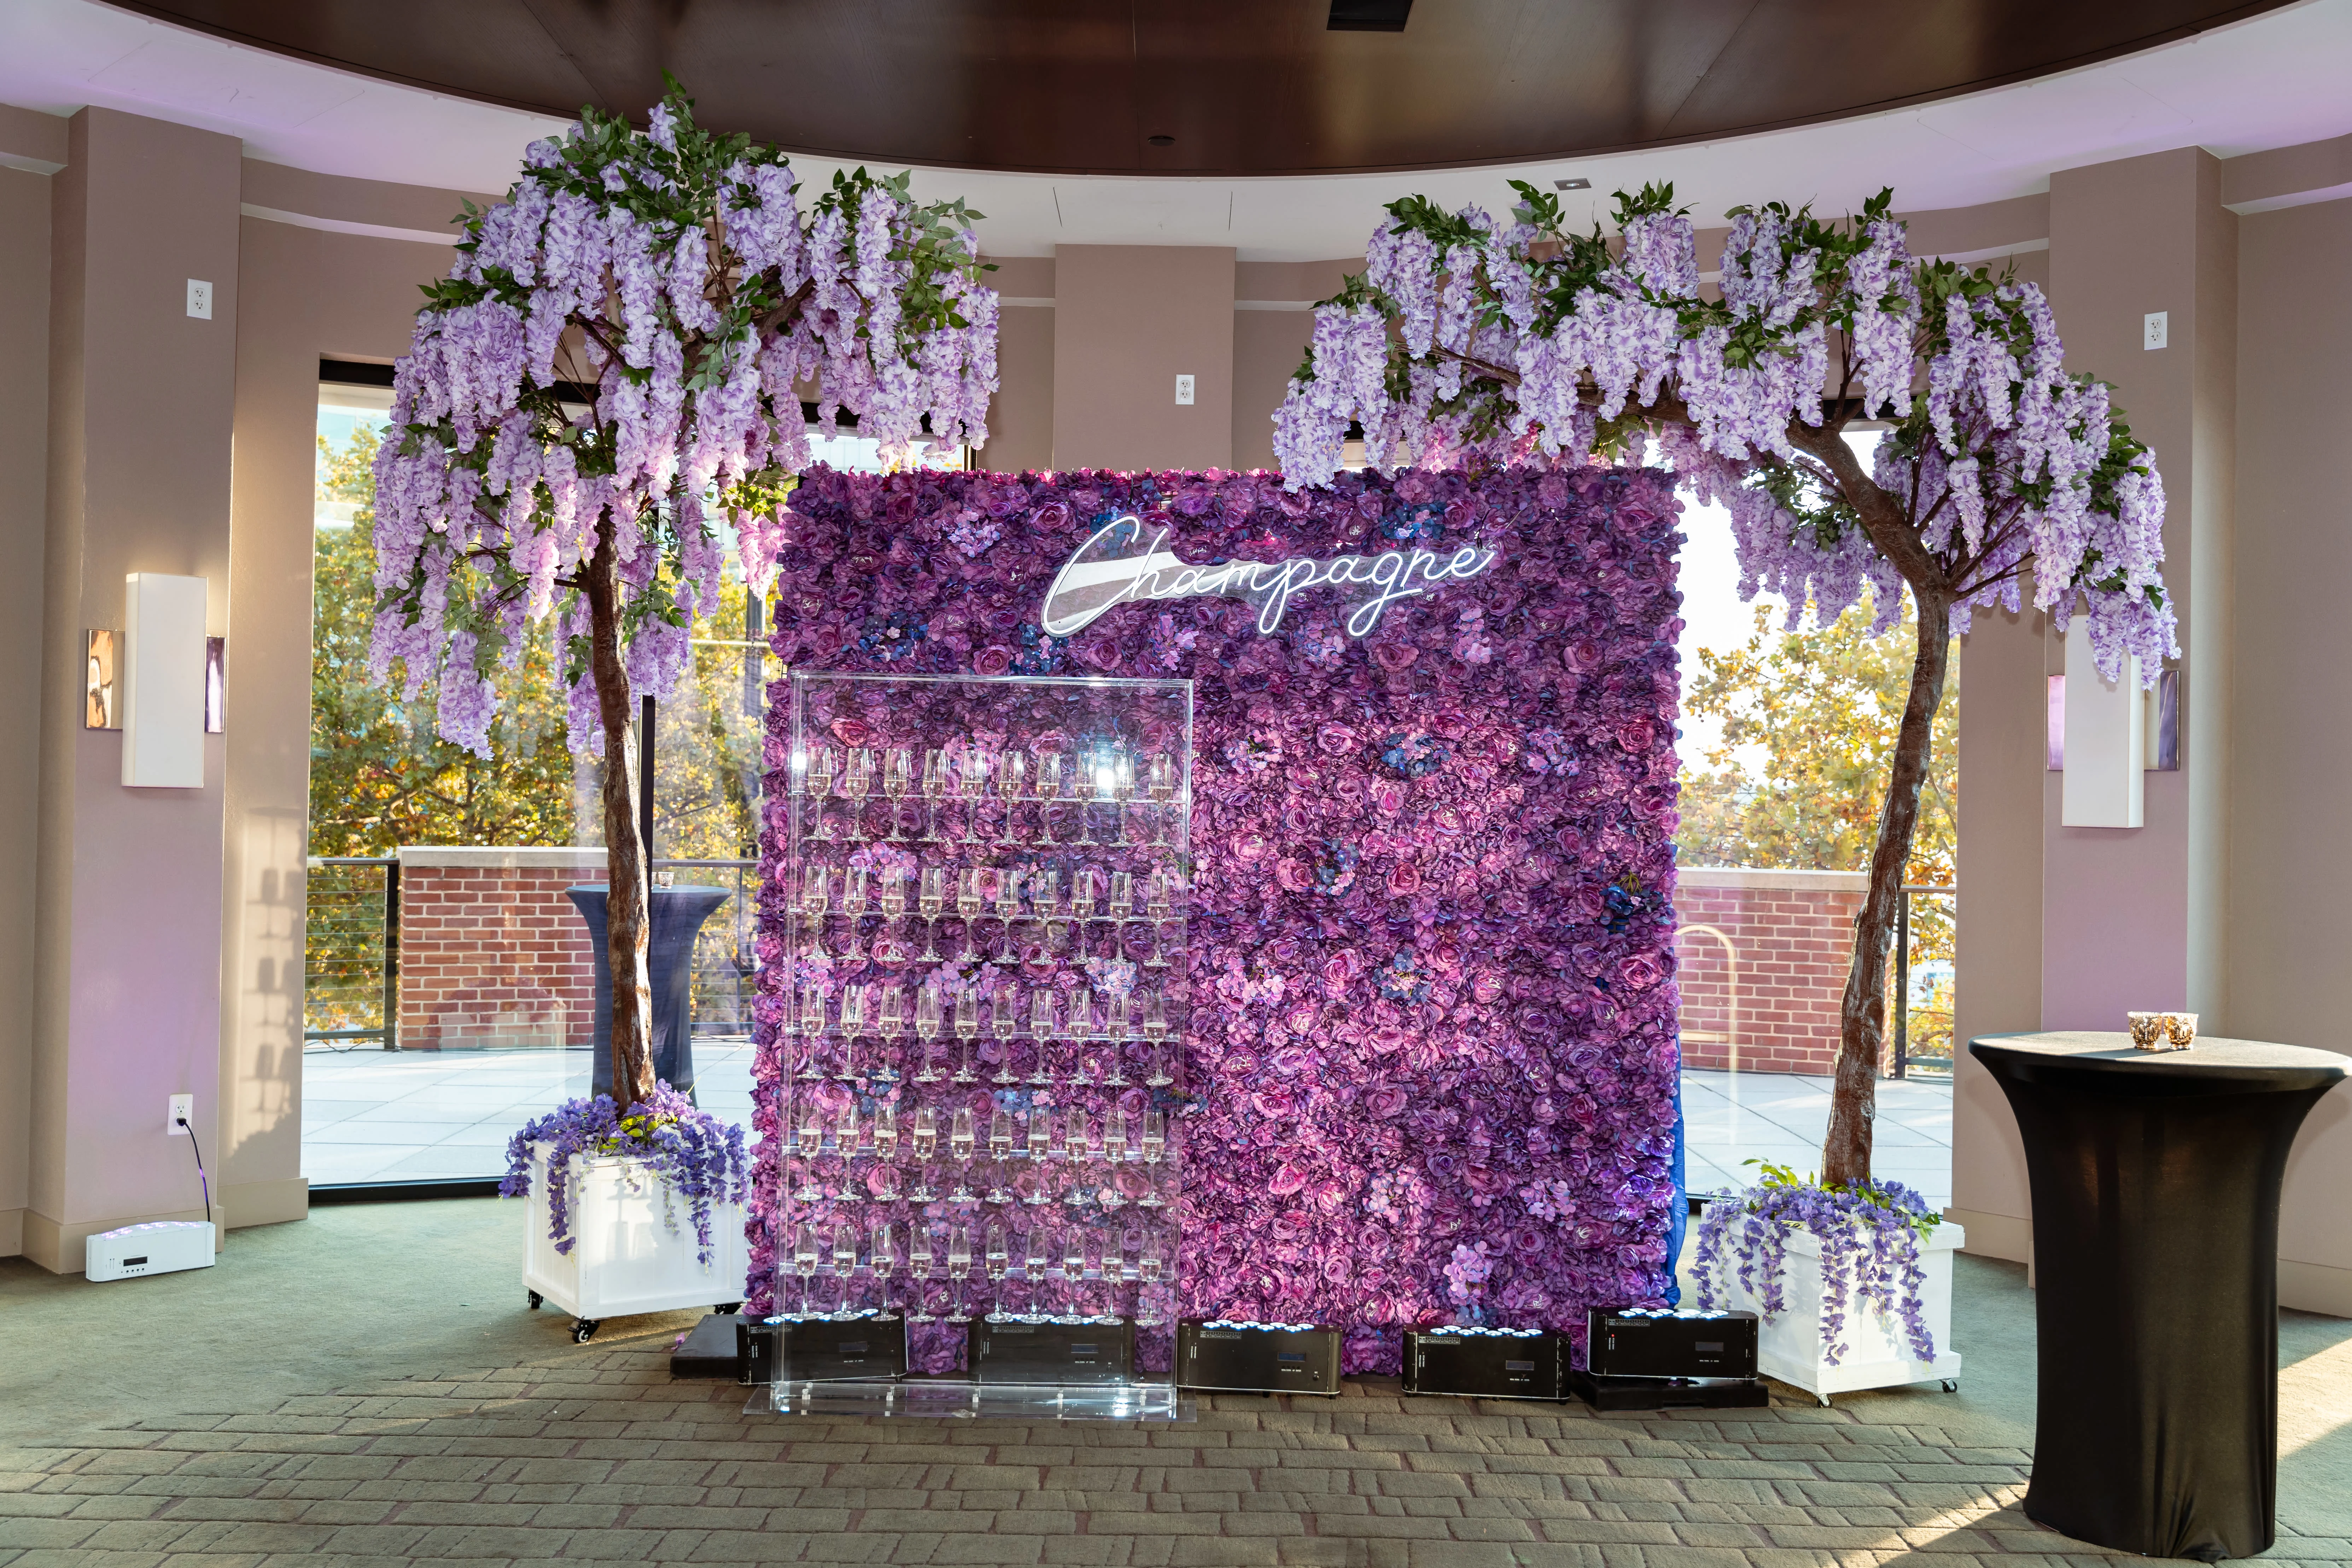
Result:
885,1134
999,1152
1149,1267
1074,1268
1004,1016
1040,1136
1049,793
923,1143
1155,1148
935,786
855,781
1081,1030
933,900
969,903
812,1031
898,780
918,1269
804,1255
1075,1131
1008,910
967,1029
926,1029
820,788
1116,1028
976,767
997,1264
958,1267
844,1259
886,945
1155,1029
1045,900
852,1024
892,1026
960,1147
853,904
882,1255
816,902
1041,1026
1082,907
1037,1265
1012,780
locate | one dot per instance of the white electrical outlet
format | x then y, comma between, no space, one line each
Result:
1184,390
182,1108
2156,328
200,299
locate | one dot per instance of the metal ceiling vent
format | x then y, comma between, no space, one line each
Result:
1370,16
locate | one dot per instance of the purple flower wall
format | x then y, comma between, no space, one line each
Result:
1433,1024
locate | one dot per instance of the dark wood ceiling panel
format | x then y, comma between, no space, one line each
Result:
1239,86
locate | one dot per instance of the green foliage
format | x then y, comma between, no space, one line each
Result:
1771,1176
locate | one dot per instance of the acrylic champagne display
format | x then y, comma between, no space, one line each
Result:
986,885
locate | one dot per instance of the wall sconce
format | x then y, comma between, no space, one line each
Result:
2162,723
161,686
2106,736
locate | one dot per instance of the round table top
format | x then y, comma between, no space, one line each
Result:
2210,1059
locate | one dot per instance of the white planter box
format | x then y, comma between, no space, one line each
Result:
626,1256
1877,1355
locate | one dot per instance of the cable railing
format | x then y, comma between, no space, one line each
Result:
351,949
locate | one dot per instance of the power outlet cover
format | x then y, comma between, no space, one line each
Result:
182,1106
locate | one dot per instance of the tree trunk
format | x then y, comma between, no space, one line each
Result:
1861,1022
625,862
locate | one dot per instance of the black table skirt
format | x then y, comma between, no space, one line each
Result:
2155,1201
678,914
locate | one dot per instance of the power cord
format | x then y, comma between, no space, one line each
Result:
198,1149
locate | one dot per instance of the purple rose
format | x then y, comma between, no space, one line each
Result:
1293,875
1404,878
1393,657
993,659
1335,739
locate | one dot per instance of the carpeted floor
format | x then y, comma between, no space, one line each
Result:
367,1387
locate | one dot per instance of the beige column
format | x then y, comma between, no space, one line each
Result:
128,891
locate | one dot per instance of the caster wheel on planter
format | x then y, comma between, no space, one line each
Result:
1824,1399
728,1308
585,1329
1951,1385
536,1298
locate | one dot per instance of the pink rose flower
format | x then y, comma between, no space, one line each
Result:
1293,875
993,659
1404,880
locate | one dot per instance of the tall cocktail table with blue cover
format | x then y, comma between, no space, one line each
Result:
2156,1203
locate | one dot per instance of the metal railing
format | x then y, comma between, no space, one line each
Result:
351,949
1936,1057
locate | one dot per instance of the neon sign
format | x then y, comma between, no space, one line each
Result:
1106,571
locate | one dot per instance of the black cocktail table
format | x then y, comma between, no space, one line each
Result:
2155,1201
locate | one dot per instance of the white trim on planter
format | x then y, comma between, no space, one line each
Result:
1877,1353
626,1258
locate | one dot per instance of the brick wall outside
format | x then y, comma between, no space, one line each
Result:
1793,933
492,953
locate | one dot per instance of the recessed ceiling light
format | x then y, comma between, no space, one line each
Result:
1571,184
1161,141
1369,15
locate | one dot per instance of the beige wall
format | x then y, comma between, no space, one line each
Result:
24,447
1127,320
2291,848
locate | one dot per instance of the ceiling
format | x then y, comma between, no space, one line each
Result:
2274,79
1223,88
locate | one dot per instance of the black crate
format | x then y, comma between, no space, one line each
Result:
1011,1349
1669,1393
712,1348
1485,1364
824,1350
1640,1343
1256,1358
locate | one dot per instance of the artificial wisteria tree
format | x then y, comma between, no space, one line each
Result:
604,396
1466,340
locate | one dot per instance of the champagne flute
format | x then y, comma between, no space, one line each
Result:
853,1022
820,788
807,1143
1075,1131
816,902
969,903
812,1031
1074,1268
1122,790
1081,1030
935,784
853,904
1117,1031
892,1026
927,1028
898,778
846,1136
1156,905
1045,899
997,1266
885,1134
967,1029
1000,1151
1012,773
1037,1265
1041,1028
918,1269
1049,793
1088,786
1114,1156
1008,911
845,1259
1159,782
932,900
894,905
1082,909
804,1260
958,1267
1148,1270
882,1255
1040,1133
975,790
855,782
1155,1149
1004,1015
959,1146
1155,1029
923,1145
